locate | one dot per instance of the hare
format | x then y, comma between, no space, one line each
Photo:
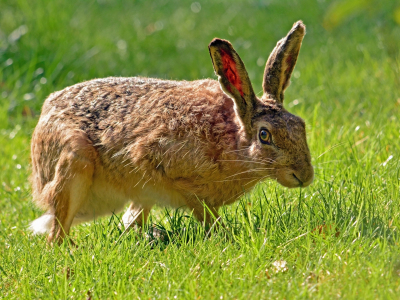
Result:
103,143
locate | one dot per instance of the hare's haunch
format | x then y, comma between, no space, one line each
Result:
106,142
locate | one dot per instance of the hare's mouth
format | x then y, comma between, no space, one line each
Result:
291,179
290,182
300,182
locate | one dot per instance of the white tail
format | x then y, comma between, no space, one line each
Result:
42,224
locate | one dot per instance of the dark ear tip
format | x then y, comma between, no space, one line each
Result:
299,27
216,42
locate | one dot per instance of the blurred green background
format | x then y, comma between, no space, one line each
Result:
346,86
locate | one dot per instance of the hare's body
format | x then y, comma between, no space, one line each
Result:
103,143
131,142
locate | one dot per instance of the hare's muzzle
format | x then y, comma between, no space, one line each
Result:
296,178
304,176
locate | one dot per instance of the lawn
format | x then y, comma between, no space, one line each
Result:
338,238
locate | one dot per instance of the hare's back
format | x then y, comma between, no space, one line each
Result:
116,113
124,103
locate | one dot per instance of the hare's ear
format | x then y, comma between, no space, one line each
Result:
281,62
233,77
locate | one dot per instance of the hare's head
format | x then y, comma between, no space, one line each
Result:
276,139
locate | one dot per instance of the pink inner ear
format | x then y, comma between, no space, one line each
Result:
230,71
289,64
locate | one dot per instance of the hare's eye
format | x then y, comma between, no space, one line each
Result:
265,137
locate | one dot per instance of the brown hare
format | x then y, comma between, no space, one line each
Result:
103,143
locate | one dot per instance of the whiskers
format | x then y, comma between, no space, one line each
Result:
250,171
252,183
250,159
239,179
241,160
247,171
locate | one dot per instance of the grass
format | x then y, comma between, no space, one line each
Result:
336,239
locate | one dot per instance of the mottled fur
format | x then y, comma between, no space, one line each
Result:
106,142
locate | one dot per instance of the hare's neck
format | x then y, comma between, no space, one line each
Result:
238,164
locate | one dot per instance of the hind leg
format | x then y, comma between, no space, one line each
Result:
69,189
65,171
135,214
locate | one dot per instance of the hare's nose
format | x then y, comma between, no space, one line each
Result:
305,177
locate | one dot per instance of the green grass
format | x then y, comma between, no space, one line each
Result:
339,238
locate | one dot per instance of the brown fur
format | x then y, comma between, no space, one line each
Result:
105,142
